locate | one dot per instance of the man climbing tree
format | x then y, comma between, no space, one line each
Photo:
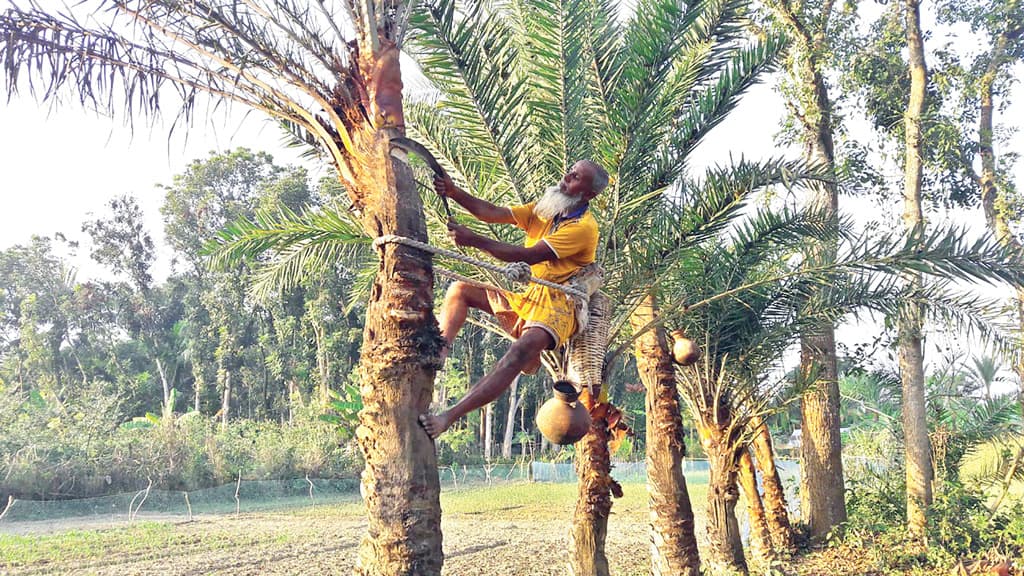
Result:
561,238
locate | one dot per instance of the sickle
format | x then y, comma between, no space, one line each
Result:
411,146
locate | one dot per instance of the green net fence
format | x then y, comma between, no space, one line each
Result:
243,496
260,495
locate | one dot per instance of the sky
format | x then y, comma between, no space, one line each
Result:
60,164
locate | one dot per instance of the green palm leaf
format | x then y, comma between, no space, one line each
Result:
471,57
290,247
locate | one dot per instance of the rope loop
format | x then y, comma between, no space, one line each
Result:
514,271
518,272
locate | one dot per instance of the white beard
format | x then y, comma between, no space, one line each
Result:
554,203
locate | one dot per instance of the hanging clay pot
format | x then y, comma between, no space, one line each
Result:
684,350
563,420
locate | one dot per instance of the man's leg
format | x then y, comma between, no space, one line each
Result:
459,298
521,354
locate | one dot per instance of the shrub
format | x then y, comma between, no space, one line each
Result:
77,447
960,524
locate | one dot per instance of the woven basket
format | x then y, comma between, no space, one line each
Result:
588,347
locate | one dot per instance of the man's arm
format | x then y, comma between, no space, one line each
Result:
481,209
539,252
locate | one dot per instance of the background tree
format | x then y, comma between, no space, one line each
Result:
985,79
126,352
815,28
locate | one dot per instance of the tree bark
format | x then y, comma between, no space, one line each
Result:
822,490
994,202
225,403
593,503
673,540
822,501
760,535
911,321
510,420
163,381
488,432
725,546
400,351
776,509
593,461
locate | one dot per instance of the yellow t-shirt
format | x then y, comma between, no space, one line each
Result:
574,241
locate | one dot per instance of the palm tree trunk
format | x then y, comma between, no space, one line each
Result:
760,535
911,321
593,461
400,350
593,503
776,509
673,539
724,540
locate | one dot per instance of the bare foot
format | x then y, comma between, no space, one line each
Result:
434,425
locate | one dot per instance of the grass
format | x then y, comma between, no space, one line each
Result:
63,547
513,529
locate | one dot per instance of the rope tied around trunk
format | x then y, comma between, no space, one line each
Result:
516,272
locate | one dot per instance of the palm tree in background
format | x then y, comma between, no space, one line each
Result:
330,73
747,299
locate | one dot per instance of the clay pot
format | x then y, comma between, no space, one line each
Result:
684,350
563,420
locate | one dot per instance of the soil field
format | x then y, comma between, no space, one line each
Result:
510,530
507,530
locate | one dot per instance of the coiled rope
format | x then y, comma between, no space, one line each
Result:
517,272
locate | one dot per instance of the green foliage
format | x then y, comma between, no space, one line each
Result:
345,405
960,524
454,444
74,448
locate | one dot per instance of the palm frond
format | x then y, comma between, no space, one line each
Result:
279,58
552,58
670,49
605,59
290,246
470,54
942,252
467,166
705,211
708,107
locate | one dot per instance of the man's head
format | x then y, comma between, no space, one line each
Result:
585,180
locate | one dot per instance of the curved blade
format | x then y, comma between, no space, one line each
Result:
413,147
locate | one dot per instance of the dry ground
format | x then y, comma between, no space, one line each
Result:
514,530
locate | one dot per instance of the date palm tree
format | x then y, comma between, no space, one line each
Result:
330,73
528,87
747,300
